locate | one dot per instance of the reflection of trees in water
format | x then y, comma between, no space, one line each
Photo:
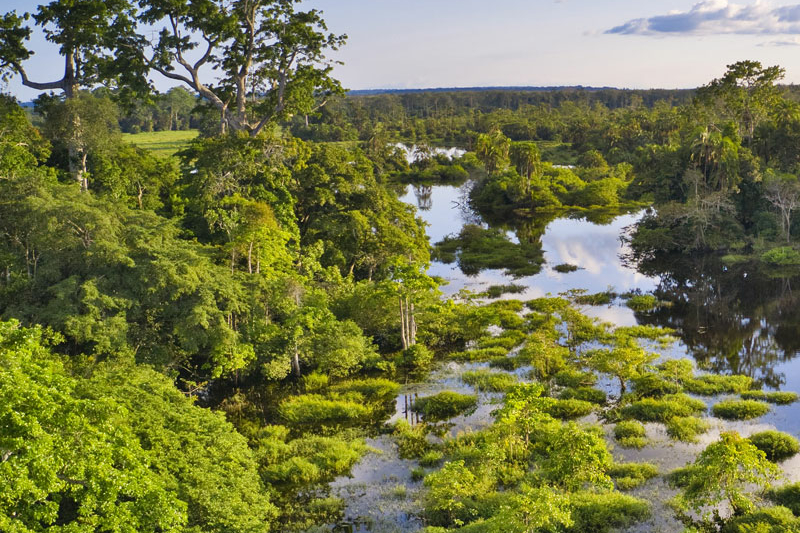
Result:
734,319
424,195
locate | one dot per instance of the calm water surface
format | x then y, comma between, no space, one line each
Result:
728,319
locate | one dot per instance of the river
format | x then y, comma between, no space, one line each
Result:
728,319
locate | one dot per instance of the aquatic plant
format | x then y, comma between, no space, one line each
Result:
740,409
777,445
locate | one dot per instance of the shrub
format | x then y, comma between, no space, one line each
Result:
565,268
373,389
686,428
680,477
418,473
431,458
575,378
782,256
654,385
570,409
507,363
740,409
769,520
316,410
480,355
315,382
488,381
507,340
445,405
417,356
642,302
661,410
587,394
601,512
787,496
754,395
412,441
495,291
630,475
711,384
600,298
630,434
782,397
775,444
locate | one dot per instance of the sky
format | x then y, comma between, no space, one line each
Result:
402,44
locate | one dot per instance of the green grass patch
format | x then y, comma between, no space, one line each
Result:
628,476
787,496
662,409
373,389
604,511
777,445
479,355
508,363
587,394
507,340
642,302
570,409
161,143
711,384
445,405
575,378
686,428
488,381
599,298
630,434
778,398
740,409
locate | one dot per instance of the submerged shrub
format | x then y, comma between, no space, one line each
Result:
412,441
630,434
661,410
630,475
777,445
484,354
642,302
711,384
766,520
488,381
570,409
601,512
507,340
417,356
600,298
740,409
782,256
787,496
373,389
508,363
587,394
316,410
778,398
495,291
445,405
431,458
686,428
654,385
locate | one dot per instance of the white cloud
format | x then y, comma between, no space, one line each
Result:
715,17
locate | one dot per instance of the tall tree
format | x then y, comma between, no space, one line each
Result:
269,57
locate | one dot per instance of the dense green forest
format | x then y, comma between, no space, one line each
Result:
203,342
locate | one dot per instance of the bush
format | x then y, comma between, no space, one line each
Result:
445,405
431,458
686,428
661,410
495,291
570,409
782,256
587,394
507,340
412,441
740,409
642,302
775,444
575,378
507,363
316,410
600,298
488,381
484,354
630,475
769,520
711,384
417,356
373,389
681,477
601,512
315,382
787,496
630,434
778,398
654,385
418,473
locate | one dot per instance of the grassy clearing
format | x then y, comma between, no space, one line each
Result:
161,143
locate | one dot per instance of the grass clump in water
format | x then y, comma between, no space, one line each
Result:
740,409
628,476
778,398
787,496
445,405
630,434
642,302
508,363
570,409
575,378
431,458
777,445
412,441
507,340
602,512
662,409
587,394
373,389
686,428
479,355
476,249
600,298
711,384
488,381
495,291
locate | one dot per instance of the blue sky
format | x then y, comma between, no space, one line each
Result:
459,43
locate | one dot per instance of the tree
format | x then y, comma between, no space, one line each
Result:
448,491
178,103
526,158
724,473
492,150
783,192
625,361
409,282
270,57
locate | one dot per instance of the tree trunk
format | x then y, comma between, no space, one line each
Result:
403,325
296,361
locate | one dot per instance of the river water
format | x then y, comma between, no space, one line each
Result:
727,319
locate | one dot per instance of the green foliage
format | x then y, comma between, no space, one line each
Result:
478,249
480,354
712,384
777,445
587,394
372,389
642,303
686,428
786,496
162,143
576,457
766,520
604,511
654,385
740,409
313,410
776,397
628,476
663,409
600,298
488,381
782,256
495,291
412,441
449,492
444,405
507,339
570,409
417,356
630,434
572,378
